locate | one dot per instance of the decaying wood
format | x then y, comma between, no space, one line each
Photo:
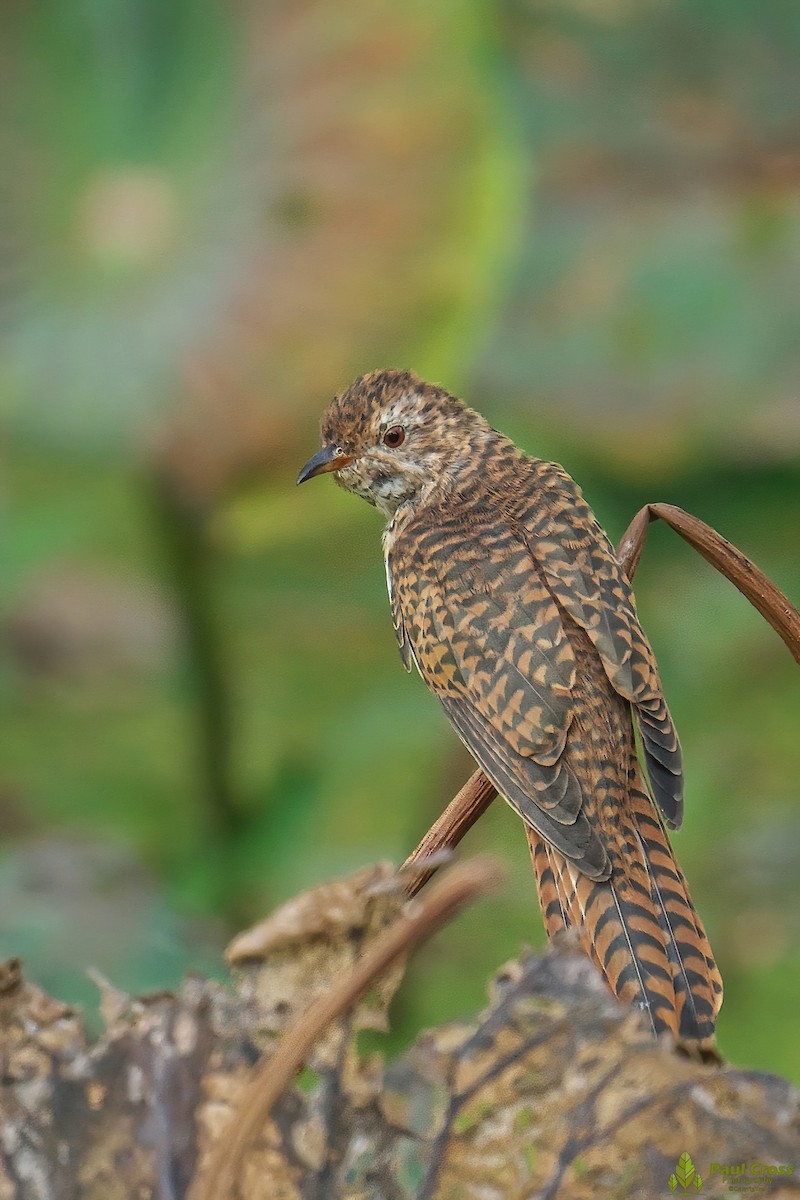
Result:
478,793
555,1091
275,1073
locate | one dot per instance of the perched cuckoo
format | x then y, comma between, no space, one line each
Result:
507,596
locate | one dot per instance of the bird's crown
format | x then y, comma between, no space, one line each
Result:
356,417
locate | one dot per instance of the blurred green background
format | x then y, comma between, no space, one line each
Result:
584,217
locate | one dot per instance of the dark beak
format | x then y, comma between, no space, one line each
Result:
329,458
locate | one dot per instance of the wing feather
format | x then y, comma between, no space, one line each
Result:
489,642
577,841
586,580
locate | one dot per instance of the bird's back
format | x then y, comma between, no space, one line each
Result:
507,595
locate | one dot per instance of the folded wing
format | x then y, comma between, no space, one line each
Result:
479,621
584,577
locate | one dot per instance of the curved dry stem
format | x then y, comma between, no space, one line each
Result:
743,574
631,544
459,887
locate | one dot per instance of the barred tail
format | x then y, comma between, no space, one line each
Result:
640,927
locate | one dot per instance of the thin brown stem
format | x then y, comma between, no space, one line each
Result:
631,544
459,887
770,601
447,831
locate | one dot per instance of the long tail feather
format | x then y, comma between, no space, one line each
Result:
698,983
640,927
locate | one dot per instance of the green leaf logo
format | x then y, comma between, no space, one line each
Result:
684,1171
685,1175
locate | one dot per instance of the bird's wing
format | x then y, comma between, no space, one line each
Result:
475,615
583,575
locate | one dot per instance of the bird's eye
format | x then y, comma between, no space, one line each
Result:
394,437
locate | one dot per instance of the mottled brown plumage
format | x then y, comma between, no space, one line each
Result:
507,595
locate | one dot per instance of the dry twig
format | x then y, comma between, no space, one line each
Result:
730,562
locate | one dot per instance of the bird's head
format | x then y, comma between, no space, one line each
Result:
390,437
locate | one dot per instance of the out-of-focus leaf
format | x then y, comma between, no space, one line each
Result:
79,624
656,293
232,209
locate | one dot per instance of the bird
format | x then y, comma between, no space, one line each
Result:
507,597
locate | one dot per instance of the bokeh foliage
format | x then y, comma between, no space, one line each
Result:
584,217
